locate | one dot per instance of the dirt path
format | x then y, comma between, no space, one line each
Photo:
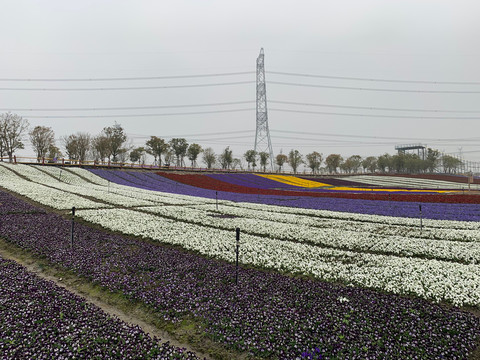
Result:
82,288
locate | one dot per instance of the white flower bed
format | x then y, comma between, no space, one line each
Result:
400,181
89,176
339,234
387,220
110,193
44,195
432,229
431,279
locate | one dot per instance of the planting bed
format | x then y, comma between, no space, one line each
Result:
393,287
41,320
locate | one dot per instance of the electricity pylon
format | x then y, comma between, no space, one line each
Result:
262,134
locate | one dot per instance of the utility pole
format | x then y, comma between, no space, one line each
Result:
262,134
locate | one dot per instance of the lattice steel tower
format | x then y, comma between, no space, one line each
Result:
262,134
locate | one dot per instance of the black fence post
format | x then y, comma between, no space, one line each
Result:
237,251
216,199
73,225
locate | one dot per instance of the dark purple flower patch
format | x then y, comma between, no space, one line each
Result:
9,204
40,320
267,314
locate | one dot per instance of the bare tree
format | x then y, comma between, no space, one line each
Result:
83,145
12,128
209,157
42,138
237,163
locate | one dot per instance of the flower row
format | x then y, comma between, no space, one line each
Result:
402,275
267,315
42,320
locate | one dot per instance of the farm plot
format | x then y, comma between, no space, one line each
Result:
42,320
439,262
266,314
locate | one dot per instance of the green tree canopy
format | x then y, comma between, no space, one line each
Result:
250,157
179,147
156,146
264,157
192,152
333,161
314,160
116,138
295,159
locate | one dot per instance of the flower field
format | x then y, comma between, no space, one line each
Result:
370,283
41,320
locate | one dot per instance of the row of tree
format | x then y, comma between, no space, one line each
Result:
111,145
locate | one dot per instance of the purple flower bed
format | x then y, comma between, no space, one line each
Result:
9,204
267,314
439,211
40,320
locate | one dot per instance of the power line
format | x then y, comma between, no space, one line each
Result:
244,83
372,107
134,115
238,103
373,137
202,134
138,78
318,140
131,107
130,88
230,111
130,78
376,79
377,89
378,116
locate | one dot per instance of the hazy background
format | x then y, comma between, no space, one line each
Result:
413,41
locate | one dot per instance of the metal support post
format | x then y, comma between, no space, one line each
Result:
73,225
237,251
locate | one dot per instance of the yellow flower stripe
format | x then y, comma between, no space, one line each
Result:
295,181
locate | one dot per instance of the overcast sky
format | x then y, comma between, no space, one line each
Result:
419,44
